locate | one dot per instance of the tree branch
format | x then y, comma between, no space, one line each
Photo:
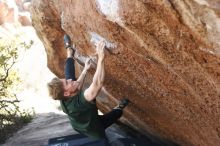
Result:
7,72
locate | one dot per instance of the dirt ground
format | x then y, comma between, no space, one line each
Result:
43,127
49,125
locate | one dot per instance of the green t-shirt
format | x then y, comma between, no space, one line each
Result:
83,116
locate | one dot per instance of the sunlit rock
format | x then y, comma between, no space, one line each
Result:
164,56
15,12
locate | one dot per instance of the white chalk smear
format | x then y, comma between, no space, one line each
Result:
110,8
207,50
95,38
202,2
62,20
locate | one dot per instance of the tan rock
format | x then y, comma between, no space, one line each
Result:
7,14
164,58
26,6
15,12
24,19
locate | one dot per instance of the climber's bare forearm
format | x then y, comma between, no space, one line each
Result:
97,82
82,78
98,79
83,74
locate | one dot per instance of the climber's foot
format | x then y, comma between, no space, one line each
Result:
68,46
122,104
67,41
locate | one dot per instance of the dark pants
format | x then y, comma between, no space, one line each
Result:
70,69
110,118
107,119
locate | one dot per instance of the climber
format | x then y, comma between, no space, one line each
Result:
80,105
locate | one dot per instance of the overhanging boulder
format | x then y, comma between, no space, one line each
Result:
163,56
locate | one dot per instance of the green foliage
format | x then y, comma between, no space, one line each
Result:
9,55
10,123
11,117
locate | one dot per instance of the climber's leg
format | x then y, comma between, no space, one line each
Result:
69,64
111,117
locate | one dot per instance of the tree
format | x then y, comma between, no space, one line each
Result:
11,117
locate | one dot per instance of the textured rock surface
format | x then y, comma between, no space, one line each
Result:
164,57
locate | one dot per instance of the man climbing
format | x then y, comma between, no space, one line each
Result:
80,105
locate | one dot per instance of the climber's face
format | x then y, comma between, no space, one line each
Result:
70,87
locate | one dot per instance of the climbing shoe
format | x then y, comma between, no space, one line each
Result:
122,104
67,41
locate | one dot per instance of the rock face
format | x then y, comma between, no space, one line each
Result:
15,12
164,55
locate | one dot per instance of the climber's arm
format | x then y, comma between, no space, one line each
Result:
98,79
82,76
